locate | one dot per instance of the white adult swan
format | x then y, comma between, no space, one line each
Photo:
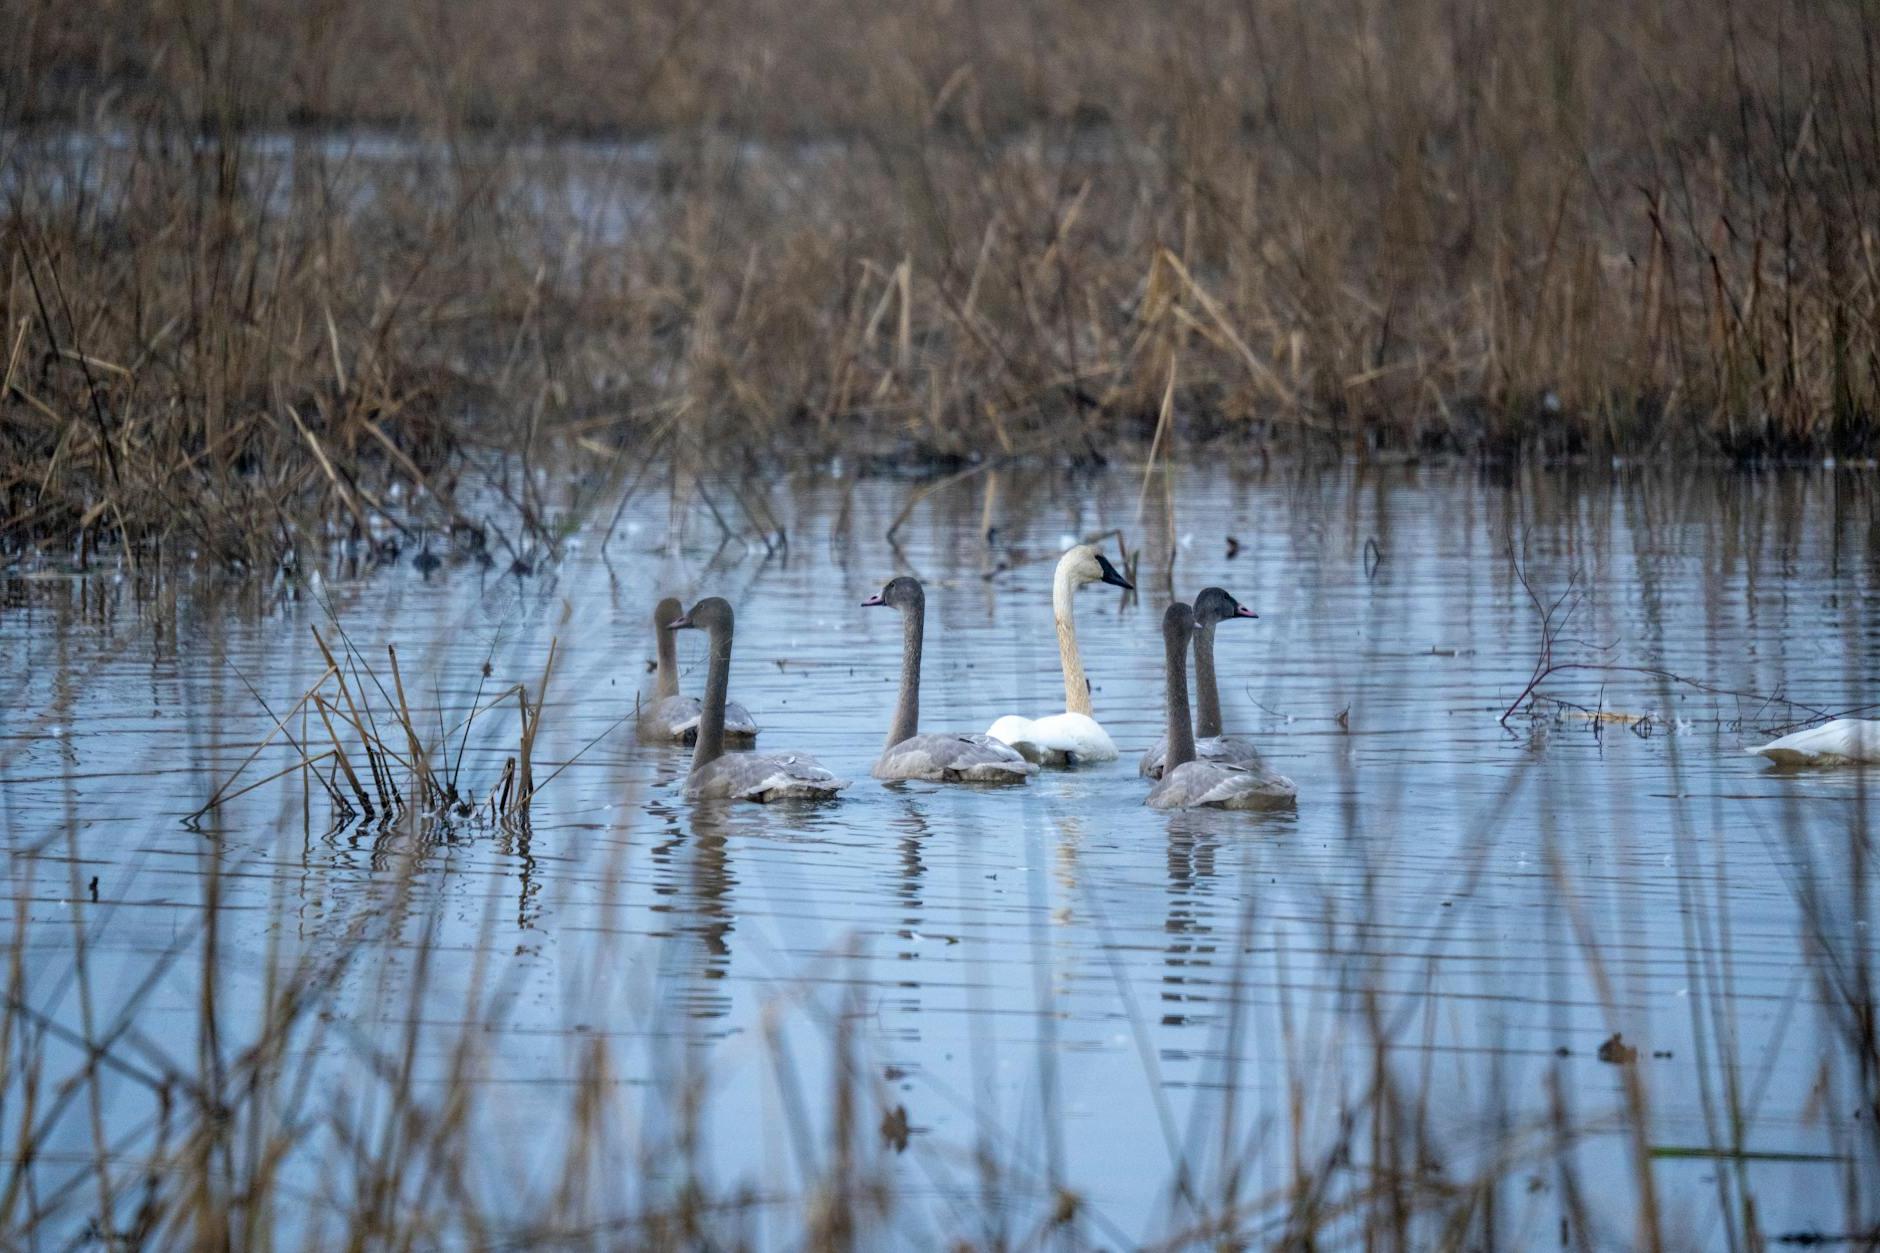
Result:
1212,606
1191,784
741,776
952,758
670,716
1073,736
1830,744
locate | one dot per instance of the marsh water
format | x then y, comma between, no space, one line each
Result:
1061,991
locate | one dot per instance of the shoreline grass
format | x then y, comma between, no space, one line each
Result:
923,237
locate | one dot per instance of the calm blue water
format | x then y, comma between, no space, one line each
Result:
1062,990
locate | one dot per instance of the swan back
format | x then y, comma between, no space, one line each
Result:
1222,785
676,718
1230,748
762,777
1831,743
1066,739
957,758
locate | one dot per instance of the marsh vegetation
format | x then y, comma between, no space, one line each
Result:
368,371
255,281
1590,976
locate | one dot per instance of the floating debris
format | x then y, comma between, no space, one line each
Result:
1616,1052
894,1129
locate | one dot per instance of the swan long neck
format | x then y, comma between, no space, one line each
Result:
1181,735
1207,692
907,710
666,676
711,721
1076,686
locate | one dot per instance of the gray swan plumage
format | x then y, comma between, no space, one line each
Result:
717,775
1190,784
670,715
1214,605
958,757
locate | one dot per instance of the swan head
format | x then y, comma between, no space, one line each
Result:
902,592
1178,623
1084,564
1217,604
711,614
667,611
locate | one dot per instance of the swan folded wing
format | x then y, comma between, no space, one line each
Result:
1060,739
676,718
1250,787
1844,739
1222,785
954,758
1785,754
763,777
1213,748
739,725
1013,731
1016,733
673,718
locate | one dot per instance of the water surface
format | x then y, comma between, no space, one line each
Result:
1094,997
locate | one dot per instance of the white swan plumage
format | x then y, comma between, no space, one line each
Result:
1074,736
1830,744
1065,739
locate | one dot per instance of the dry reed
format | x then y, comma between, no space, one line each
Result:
235,324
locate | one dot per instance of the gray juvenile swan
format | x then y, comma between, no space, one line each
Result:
670,716
1191,784
1214,605
741,776
948,758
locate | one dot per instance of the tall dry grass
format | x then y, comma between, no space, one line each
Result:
939,231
